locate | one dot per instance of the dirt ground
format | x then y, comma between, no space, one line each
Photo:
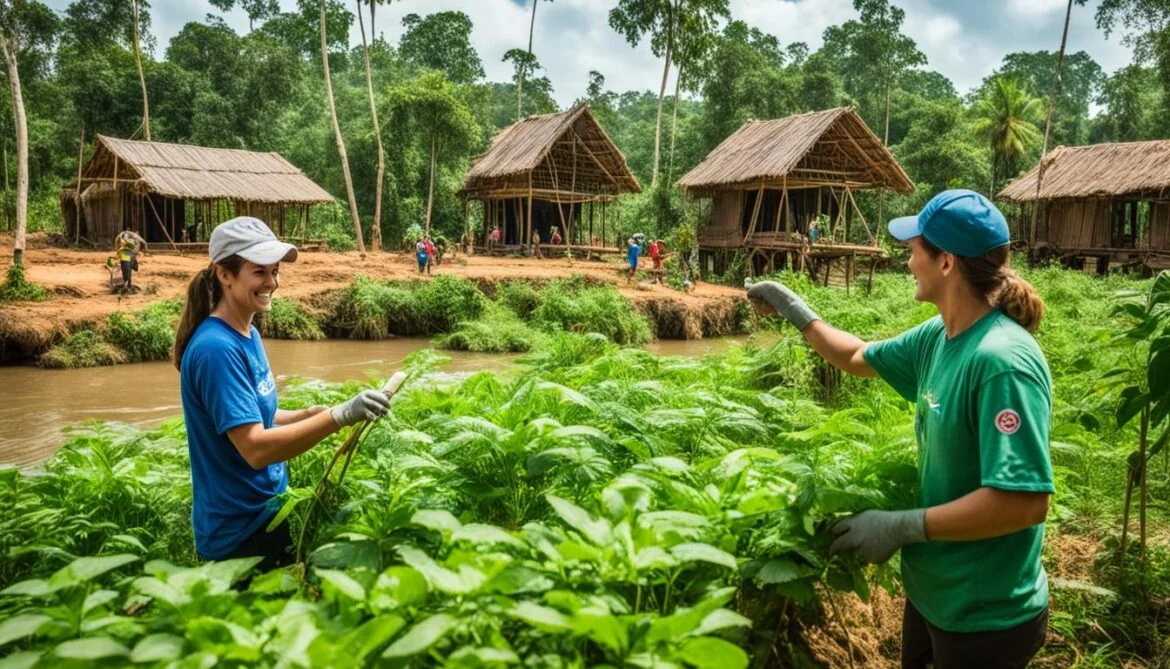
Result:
79,283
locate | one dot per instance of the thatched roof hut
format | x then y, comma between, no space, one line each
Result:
1101,203
174,192
771,180
540,170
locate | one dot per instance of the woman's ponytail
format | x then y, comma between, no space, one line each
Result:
203,293
1019,300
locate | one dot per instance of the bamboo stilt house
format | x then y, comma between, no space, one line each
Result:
1100,205
540,171
770,180
174,194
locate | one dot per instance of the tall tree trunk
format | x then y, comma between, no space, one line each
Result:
1048,127
520,83
376,228
141,75
882,193
658,123
673,126
21,149
431,187
353,211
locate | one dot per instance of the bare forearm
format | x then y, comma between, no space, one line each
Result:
288,417
985,513
261,447
841,349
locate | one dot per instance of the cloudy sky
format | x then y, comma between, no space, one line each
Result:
963,39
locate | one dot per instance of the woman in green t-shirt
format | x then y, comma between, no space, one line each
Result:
976,593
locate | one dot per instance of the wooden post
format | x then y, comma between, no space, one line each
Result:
528,236
849,271
590,240
787,207
119,216
603,223
755,213
869,286
162,223
77,204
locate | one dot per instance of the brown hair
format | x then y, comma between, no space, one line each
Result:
203,293
990,276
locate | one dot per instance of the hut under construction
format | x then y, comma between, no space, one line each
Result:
1100,206
174,194
771,180
540,172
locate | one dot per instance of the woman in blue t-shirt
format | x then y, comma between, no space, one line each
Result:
237,437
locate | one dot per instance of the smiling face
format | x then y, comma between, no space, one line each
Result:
931,273
250,291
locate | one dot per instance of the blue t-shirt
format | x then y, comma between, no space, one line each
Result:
633,252
225,382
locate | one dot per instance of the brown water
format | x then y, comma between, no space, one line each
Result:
36,404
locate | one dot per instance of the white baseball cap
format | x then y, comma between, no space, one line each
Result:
251,239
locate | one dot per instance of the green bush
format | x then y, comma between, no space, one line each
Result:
447,300
85,348
147,335
372,309
16,288
520,297
573,306
286,320
498,331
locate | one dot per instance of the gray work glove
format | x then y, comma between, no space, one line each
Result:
366,405
876,535
786,303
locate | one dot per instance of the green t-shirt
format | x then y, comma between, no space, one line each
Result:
983,405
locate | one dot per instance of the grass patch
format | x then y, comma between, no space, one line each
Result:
573,306
374,309
147,335
85,348
16,288
498,331
286,320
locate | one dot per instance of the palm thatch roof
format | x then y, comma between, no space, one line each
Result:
566,152
1100,170
201,173
827,147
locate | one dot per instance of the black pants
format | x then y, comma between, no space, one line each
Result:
924,644
127,271
272,546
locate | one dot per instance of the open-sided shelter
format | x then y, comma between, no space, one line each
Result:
1100,205
540,171
770,180
175,194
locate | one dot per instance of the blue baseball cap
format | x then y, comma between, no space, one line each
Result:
958,221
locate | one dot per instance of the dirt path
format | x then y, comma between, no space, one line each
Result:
79,282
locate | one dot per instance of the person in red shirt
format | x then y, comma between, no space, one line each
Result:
430,252
656,249
556,236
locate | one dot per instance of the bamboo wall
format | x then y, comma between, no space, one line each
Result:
724,229
1076,224
1160,226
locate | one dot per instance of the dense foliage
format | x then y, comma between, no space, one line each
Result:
263,90
593,505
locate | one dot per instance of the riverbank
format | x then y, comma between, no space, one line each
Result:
78,283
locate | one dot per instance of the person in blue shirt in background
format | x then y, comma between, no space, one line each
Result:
239,441
632,253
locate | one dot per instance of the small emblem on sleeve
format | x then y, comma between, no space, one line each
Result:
1007,421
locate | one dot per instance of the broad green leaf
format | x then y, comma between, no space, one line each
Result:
781,570
436,519
21,626
33,587
484,656
343,583
221,576
86,568
398,587
98,598
371,635
422,636
480,534
578,431
92,648
346,555
721,619
599,532
157,648
131,541
25,659
542,618
1130,404
695,552
164,592
291,499
654,557
603,628
465,581
707,652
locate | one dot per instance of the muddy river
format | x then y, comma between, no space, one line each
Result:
36,404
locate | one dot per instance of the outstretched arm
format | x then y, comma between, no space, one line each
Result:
839,348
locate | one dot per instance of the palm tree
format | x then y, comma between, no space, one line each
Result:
520,82
353,212
376,232
1006,115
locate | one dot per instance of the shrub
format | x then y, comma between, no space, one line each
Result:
570,305
374,310
286,320
520,297
498,331
85,348
147,335
16,288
